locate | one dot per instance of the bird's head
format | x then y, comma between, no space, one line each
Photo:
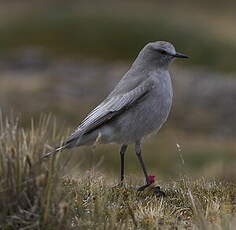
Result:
165,51
160,53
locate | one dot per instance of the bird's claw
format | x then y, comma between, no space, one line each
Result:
142,188
121,184
156,190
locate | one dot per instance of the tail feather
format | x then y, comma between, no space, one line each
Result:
46,155
72,141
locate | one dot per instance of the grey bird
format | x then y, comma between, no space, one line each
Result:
137,106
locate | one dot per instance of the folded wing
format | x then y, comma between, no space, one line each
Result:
110,108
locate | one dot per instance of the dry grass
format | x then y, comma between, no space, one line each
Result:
38,195
30,197
188,205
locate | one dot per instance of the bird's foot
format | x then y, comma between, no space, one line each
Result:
152,189
121,184
142,188
157,191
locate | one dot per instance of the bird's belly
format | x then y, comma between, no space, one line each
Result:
140,120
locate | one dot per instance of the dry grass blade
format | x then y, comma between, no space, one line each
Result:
34,195
30,194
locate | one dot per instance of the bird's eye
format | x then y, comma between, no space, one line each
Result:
162,51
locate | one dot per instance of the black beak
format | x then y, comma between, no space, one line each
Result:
179,55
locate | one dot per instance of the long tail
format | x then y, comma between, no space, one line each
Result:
70,142
46,155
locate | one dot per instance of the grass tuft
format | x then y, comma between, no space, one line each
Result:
40,195
30,195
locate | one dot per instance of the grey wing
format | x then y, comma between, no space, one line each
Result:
110,108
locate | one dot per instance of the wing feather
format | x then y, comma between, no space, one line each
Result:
109,108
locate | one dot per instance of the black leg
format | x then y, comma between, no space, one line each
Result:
122,160
139,155
157,191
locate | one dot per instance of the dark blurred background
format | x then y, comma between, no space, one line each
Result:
63,57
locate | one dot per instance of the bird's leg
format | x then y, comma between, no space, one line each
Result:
122,160
156,189
139,155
